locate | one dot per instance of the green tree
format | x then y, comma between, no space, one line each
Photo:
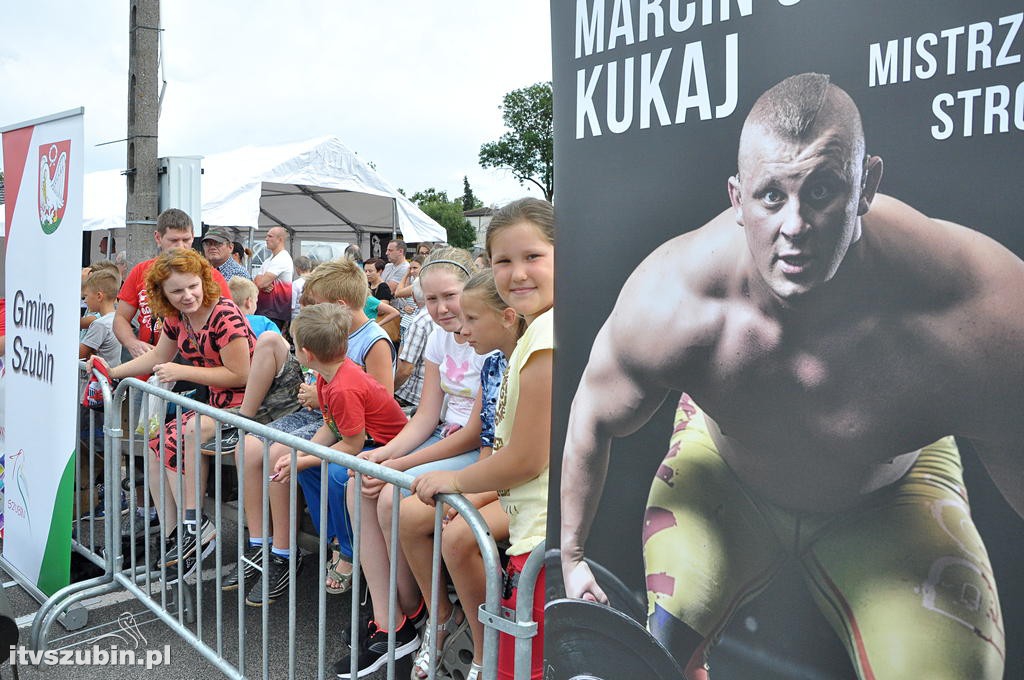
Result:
448,214
469,199
429,196
527,149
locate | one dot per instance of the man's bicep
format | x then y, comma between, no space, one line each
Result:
275,266
617,395
125,311
122,324
615,407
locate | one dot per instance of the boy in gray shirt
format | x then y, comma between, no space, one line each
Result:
100,290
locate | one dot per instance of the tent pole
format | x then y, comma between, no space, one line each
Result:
252,241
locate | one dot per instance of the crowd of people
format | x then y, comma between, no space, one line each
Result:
457,394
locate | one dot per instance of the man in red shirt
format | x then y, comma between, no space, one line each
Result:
173,230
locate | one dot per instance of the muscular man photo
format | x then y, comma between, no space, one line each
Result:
829,341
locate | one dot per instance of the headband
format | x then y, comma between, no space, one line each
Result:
451,262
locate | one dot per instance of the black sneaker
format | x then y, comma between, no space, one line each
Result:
228,441
188,565
373,652
191,544
277,580
252,561
420,618
170,541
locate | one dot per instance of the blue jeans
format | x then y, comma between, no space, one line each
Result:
454,463
339,527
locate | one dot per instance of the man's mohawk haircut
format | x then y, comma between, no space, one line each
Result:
791,107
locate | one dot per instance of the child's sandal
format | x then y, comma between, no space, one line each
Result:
343,580
421,663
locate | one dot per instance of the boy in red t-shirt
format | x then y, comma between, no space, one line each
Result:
359,413
357,409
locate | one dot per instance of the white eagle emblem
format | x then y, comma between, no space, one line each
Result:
53,186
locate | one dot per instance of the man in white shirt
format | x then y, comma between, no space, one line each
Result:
275,278
397,266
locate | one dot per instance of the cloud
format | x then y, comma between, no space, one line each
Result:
412,86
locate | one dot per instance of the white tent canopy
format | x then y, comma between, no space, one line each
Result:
104,199
313,188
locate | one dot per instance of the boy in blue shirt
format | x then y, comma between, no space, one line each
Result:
244,292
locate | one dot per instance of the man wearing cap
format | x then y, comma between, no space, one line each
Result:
217,247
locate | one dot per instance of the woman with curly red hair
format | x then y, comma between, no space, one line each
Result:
213,337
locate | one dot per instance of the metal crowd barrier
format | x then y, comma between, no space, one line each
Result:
181,605
86,501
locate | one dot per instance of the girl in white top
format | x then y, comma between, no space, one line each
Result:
452,374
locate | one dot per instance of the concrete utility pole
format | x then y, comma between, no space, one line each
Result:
143,114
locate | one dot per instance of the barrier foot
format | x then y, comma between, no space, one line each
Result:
61,604
72,619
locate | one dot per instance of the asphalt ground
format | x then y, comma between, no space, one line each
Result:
128,623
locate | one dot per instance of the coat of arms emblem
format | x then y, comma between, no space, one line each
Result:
53,184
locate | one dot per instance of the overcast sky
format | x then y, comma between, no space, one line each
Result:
411,85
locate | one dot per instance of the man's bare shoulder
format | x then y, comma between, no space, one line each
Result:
961,289
698,263
673,299
938,255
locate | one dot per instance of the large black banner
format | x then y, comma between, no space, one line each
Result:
650,102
